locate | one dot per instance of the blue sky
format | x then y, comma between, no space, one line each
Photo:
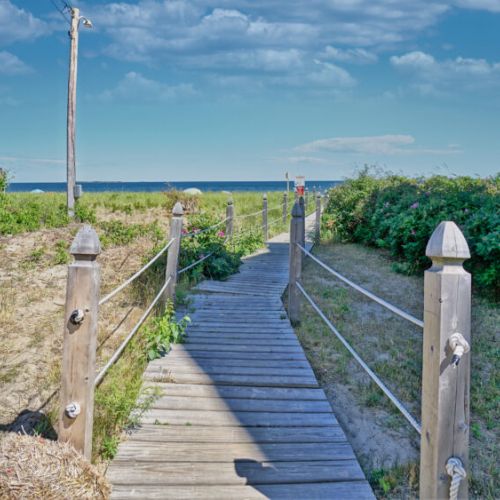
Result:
248,89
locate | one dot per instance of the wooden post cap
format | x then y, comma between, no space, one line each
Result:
230,201
265,196
86,243
447,242
178,210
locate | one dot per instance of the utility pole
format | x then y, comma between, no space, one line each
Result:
70,141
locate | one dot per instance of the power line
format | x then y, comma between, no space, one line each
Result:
62,10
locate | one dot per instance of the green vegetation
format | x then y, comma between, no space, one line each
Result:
399,214
164,330
4,181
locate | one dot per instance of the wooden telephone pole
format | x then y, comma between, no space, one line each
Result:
70,141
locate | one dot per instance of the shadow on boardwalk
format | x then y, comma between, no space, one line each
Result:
241,414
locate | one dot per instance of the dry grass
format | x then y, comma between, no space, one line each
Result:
33,467
386,445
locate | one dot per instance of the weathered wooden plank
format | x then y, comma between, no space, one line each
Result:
240,472
204,391
202,362
229,418
211,379
237,434
199,334
195,354
235,348
348,490
228,452
219,340
249,405
230,370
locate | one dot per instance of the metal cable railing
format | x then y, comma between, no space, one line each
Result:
360,289
413,422
136,275
128,338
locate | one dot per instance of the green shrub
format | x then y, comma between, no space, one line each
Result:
400,214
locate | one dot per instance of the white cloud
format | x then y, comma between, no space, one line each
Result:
380,144
135,86
354,56
18,24
431,76
372,145
489,5
12,65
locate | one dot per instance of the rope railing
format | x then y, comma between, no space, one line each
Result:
445,413
199,261
114,358
201,231
127,282
413,422
244,216
362,290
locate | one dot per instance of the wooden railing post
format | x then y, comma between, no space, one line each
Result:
295,264
173,252
302,221
76,413
306,198
318,217
264,218
285,207
230,218
446,364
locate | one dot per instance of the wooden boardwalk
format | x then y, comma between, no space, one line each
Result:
240,413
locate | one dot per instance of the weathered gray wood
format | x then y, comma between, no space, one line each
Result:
228,452
173,252
345,490
318,217
230,218
445,388
230,379
71,112
239,404
241,472
206,391
265,231
285,207
237,434
80,341
295,265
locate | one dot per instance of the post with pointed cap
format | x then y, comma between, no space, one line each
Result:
318,218
229,219
265,231
80,342
302,221
295,265
173,252
445,385
285,207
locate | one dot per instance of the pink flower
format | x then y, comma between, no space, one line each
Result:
184,231
415,205
221,234
413,232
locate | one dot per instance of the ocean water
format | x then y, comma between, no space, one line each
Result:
149,187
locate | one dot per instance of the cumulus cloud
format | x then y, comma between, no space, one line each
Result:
489,5
433,76
18,24
134,86
12,65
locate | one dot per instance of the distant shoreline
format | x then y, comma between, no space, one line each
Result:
151,187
